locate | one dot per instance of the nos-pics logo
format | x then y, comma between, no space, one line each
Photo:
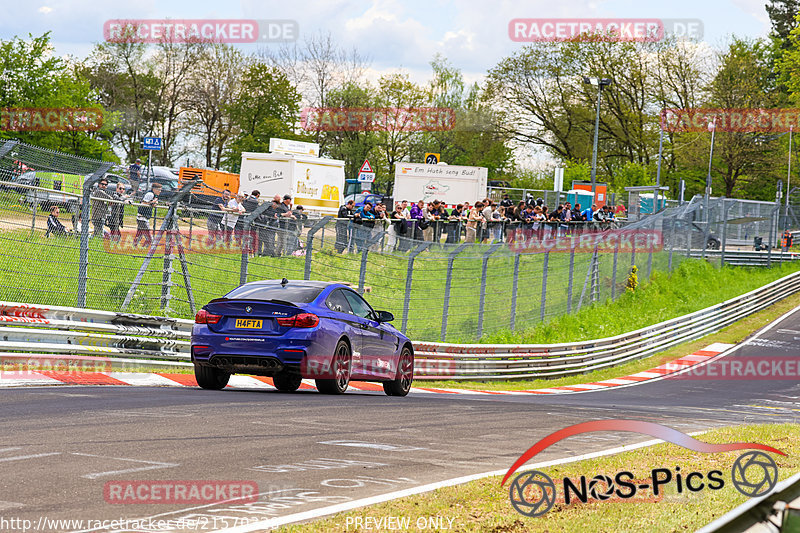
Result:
533,493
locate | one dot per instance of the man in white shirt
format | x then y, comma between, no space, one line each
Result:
233,210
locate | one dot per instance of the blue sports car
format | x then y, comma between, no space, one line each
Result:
290,330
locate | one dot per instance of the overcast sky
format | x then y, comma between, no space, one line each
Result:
472,34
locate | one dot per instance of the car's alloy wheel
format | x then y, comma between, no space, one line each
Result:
211,378
340,368
405,375
287,381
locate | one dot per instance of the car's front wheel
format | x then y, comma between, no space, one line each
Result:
405,375
340,369
287,381
211,378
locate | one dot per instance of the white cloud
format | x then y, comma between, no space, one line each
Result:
45,10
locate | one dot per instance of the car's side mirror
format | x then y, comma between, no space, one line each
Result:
384,316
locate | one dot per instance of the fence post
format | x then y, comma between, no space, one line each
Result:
614,273
492,249
451,257
515,284
321,223
409,272
724,231
362,275
671,243
247,242
772,234
83,259
544,284
569,285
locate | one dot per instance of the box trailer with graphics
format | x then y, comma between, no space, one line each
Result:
314,182
447,183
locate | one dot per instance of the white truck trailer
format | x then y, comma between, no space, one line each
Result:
449,184
314,182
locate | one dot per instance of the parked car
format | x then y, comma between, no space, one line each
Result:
65,191
166,176
291,330
363,197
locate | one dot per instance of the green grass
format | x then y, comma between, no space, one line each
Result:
39,270
483,505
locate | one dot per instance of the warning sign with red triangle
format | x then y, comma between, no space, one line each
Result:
366,167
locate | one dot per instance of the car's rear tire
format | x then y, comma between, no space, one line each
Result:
405,375
287,381
211,378
341,365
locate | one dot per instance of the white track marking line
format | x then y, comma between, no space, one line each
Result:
33,456
372,500
142,380
247,382
153,465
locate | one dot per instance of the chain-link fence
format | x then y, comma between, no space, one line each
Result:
73,236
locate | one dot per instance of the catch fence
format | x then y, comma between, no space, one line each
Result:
172,258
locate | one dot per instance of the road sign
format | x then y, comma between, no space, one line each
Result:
366,167
366,177
432,159
151,143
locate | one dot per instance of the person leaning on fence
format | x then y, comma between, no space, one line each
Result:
250,204
343,219
454,224
116,217
430,217
143,215
233,211
295,228
284,217
100,207
474,222
417,216
214,218
135,175
54,226
364,219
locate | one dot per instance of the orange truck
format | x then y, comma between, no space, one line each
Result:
214,182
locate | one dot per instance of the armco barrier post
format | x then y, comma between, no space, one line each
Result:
451,257
310,245
492,249
544,284
409,273
83,257
514,286
571,275
362,274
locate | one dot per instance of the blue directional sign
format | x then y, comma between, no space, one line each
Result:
151,143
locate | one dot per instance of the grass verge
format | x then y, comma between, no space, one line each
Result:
732,334
483,505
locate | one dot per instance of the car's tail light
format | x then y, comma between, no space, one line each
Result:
300,320
204,317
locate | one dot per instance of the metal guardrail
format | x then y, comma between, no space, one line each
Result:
64,330
747,257
774,512
504,361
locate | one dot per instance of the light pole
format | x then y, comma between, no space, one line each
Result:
713,129
788,185
600,83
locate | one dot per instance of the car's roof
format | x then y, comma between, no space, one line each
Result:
295,282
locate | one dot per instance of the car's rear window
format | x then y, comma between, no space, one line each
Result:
296,294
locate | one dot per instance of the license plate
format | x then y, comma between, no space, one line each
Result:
248,323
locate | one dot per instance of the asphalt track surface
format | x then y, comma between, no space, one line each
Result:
59,446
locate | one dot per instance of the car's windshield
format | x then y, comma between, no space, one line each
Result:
297,294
